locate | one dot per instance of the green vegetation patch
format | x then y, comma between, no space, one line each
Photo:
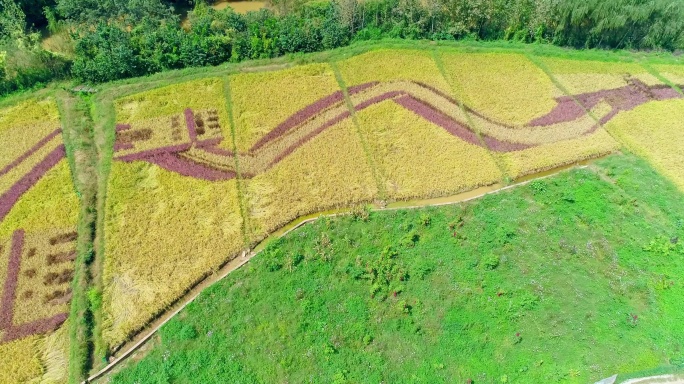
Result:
567,279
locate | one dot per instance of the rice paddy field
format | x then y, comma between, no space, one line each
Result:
570,278
38,216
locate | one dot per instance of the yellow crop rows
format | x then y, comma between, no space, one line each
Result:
263,100
655,132
410,127
421,159
39,210
505,86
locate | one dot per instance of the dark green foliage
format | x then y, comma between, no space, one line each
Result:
128,12
620,23
538,289
23,63
35,11
156,42
106,54
117,39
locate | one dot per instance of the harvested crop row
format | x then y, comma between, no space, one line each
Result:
654,131
163,232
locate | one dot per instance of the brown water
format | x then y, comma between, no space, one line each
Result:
240,6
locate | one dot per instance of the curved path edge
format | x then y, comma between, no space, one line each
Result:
246,255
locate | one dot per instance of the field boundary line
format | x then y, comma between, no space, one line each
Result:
649,68
376,169
242,194
460,96
540,64
244,257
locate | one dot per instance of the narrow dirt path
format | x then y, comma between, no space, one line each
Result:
661,379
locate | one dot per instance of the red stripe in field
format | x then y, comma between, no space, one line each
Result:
122,127
190,123
9,198
432,115
377,99
34,327
310,136
185,167
9,292
30,152
361,87
123,146
307,113
503,146
566,110
155,151
218,151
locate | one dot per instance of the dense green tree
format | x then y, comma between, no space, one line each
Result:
106,54
126,12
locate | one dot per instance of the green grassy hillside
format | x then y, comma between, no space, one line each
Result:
567,279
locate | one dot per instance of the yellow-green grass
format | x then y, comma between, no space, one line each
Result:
583,76
19,360
329,171
263,100
22,126
505,87
173,100
36,359
553,155
21,169
163,232
27,112
655,132
393,65
420,159
50,204
673,73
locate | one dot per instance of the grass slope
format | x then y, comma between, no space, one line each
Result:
540,283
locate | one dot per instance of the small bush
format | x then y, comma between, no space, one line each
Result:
490,262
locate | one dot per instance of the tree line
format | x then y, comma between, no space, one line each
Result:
115,39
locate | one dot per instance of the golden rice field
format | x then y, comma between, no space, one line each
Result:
38,215
202,170
290,142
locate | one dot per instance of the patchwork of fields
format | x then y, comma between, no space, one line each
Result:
38,214
199,169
